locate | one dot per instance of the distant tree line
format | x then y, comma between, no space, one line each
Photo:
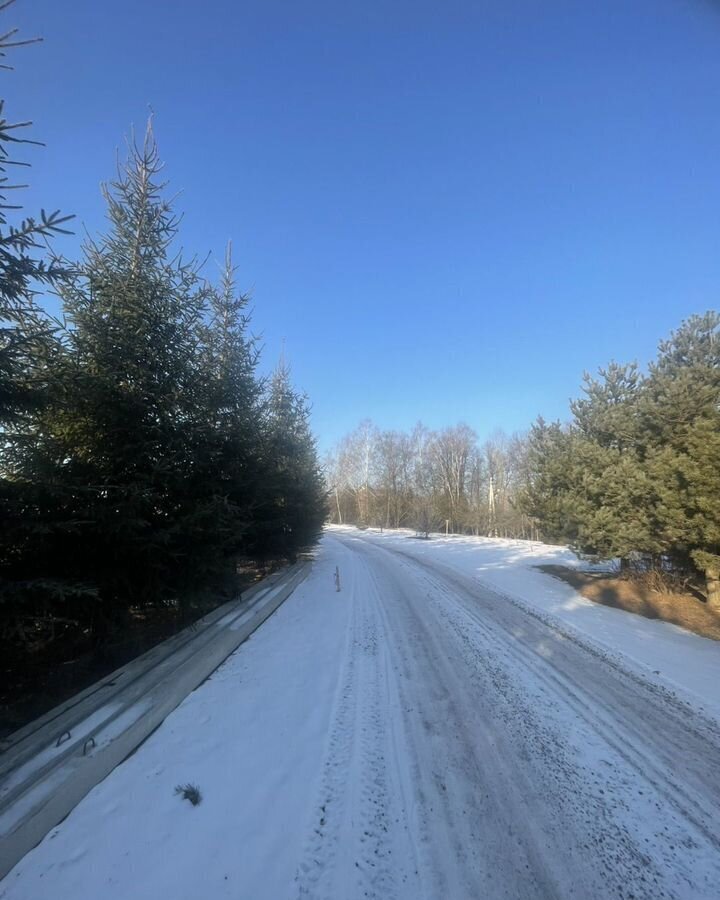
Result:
634,475
141,454
429,480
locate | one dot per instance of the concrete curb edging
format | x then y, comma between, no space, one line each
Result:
49,792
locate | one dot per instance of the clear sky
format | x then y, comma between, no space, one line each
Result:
447,210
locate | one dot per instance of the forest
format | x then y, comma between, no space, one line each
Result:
143,458
633,475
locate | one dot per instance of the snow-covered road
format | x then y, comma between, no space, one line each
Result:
415,736
493,757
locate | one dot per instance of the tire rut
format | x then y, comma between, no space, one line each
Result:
613,812
350,849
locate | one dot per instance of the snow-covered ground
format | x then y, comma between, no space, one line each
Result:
663,653
417,735
250,739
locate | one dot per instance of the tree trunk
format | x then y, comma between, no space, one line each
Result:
337,500
712,581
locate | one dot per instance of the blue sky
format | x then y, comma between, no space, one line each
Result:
447,210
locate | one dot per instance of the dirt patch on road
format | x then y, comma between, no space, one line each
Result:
636,596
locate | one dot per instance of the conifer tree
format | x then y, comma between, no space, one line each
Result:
638,469
24,328
681,414
28,348
612,488
226,473
125,431
139,457
605,414
292,506
548,481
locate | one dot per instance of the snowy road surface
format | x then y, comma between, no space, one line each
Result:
415,736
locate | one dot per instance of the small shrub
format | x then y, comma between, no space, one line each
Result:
189,792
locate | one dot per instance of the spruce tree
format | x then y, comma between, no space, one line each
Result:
125,431
292,506
28,350
226,473
24,327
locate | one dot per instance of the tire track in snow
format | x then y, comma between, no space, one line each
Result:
610,722
358,845
580,781
475,832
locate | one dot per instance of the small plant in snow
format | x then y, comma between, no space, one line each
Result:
189,792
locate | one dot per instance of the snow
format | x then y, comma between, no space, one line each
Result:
663,653
251,738
417,736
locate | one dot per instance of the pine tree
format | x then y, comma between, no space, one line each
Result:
588,485
548,481
616,495
681,413
638,471
613,501
605,414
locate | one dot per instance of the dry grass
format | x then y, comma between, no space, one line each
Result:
643,595
189,792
